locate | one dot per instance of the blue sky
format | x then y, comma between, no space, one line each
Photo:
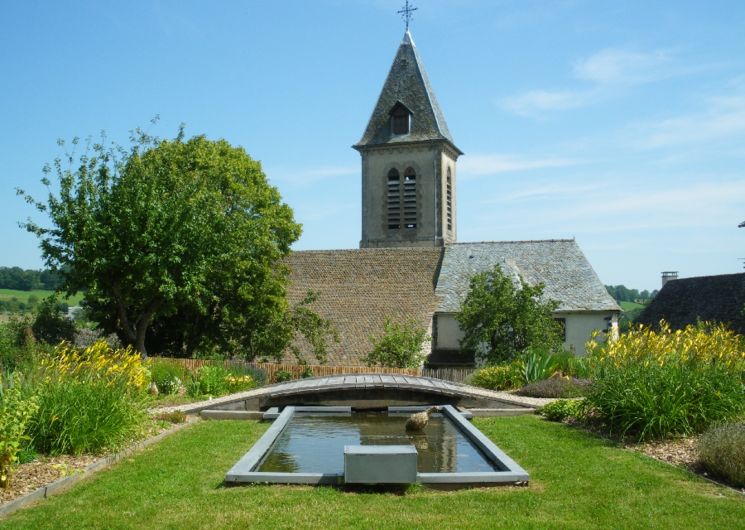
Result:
619,123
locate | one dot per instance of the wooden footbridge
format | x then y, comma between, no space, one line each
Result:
366,391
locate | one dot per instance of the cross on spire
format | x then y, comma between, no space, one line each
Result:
406,13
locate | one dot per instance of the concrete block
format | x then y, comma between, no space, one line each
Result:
380,464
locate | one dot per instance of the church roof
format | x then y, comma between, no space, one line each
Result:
359,288
407,83
685,301
559,264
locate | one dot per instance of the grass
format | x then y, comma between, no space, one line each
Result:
577,481
23,296
631,306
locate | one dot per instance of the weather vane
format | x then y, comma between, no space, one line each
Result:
407,13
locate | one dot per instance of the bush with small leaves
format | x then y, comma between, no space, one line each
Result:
400,345
281,376
561,409
499,377
722,451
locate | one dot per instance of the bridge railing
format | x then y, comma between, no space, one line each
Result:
457,375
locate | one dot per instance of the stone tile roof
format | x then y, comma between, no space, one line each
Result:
359,288
407,82
559,264
685,301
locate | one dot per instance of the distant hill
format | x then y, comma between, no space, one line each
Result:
632,303
17,301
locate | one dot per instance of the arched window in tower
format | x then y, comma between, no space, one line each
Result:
449,201
409,198
393,199
400,120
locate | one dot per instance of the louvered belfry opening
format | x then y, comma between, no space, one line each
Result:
449,201
401,200
409,199
394,200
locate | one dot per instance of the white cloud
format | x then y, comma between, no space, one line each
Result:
614,66
548,190
607,71
723,117
541,100
492,164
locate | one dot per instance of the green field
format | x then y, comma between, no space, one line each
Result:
630,306
23,296
577,481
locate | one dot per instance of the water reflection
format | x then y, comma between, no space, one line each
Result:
315,443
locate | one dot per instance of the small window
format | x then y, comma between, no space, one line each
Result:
400,120
563,325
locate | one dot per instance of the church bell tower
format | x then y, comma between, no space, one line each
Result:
408,162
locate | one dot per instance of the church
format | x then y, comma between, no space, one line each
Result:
410,265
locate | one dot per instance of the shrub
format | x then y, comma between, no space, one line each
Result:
499,377
561,409
306,373
85,337
168,375
400,345
209,380
281,376
722,451
16,410
556,387
51,325
18,349
89,400
653,384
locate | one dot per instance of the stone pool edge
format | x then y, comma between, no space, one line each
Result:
241,472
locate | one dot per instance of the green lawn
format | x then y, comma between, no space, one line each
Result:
23,296
577,481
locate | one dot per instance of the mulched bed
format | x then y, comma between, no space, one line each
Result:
680,452
44,470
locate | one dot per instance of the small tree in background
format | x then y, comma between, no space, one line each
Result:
400,345
500,320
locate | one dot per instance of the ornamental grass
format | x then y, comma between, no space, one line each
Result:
660,383
89,399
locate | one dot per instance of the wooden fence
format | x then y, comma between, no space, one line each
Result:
457,375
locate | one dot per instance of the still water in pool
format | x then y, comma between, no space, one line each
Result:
314,443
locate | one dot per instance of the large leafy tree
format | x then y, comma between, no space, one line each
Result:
176,242
501,320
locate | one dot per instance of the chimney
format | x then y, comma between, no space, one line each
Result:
669,276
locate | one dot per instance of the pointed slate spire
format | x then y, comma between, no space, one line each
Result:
407,84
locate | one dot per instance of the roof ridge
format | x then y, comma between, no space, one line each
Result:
367,249
572,240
